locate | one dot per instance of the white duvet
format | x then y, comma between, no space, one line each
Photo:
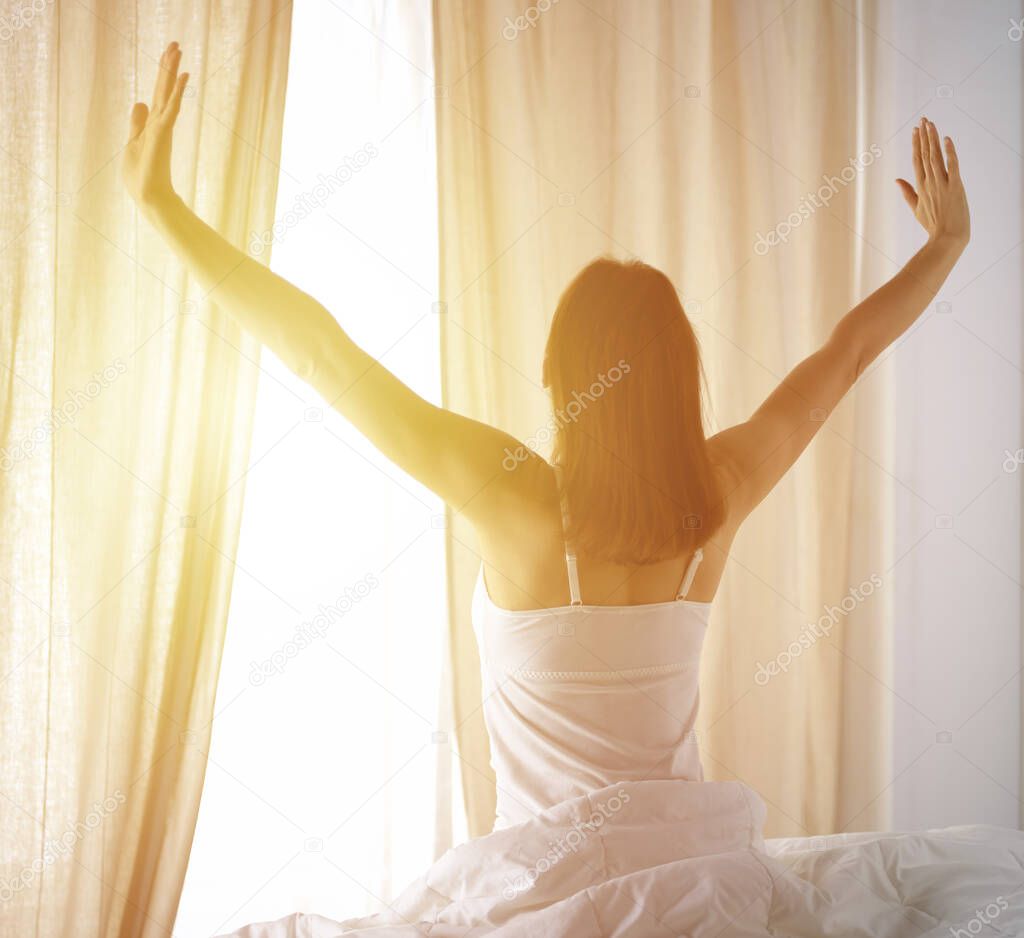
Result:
659,858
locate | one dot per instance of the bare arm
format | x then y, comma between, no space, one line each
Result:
458,458
759,452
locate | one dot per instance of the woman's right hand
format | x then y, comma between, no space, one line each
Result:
146,166
939,202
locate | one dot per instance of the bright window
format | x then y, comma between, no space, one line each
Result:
326,780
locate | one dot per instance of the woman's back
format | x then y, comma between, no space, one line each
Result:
524,560
580,695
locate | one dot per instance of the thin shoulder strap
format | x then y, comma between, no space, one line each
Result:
691,572
570,554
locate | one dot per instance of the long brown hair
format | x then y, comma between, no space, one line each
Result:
623,365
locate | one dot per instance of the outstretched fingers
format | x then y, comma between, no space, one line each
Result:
925,143
908,193
174,105
166,76
935,153
137,120
918,159
952,160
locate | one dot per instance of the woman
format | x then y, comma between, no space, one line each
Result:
516,513
596,579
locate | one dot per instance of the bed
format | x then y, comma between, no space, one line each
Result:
660,858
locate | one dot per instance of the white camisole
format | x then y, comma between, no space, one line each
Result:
580,697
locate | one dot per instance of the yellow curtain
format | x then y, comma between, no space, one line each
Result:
124,438
689,135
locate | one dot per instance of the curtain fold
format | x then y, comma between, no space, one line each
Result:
126,407
693,136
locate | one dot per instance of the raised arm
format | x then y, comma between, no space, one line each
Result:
458,458
757,453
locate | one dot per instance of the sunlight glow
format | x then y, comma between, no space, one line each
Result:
326,771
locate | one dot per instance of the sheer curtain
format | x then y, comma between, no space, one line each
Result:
729,144
328,788
126,402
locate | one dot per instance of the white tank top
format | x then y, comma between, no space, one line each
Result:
579,697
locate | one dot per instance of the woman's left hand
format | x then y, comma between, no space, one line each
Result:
146,166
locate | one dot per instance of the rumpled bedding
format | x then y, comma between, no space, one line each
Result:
660,858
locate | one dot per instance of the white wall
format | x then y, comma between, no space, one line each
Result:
958,393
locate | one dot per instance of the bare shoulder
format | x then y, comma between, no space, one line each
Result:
529,500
